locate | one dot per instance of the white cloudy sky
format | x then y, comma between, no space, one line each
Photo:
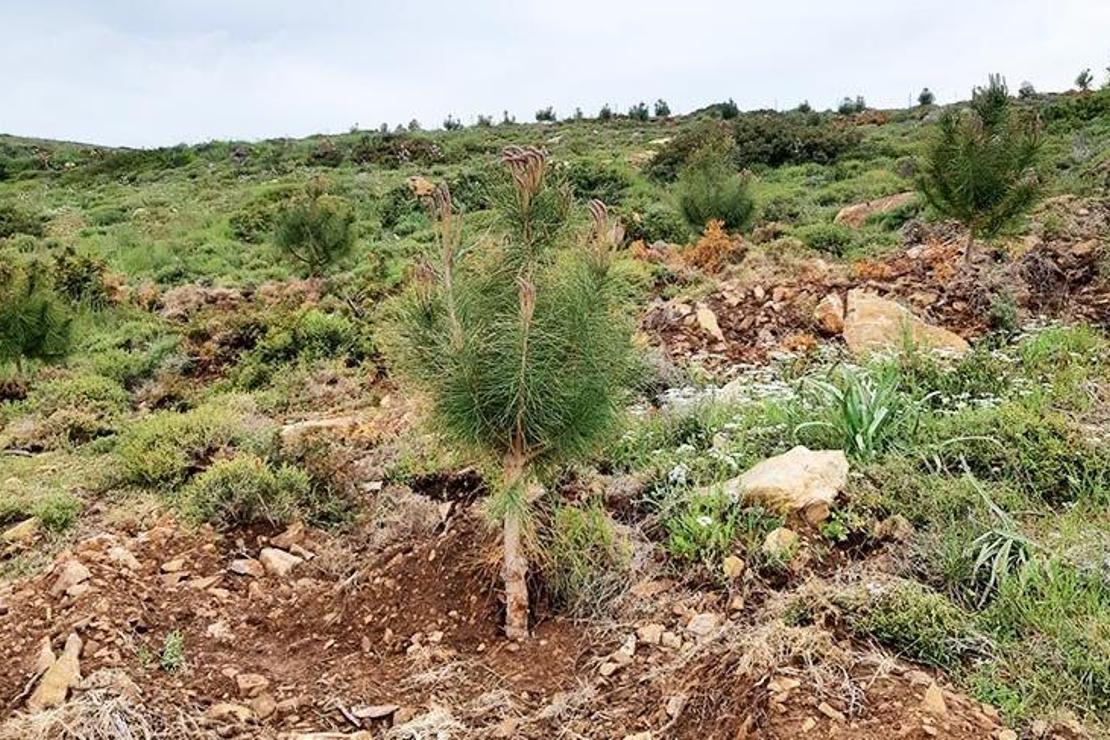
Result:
154,72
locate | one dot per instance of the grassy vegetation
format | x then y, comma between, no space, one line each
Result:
193,336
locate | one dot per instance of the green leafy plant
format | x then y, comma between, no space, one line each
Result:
585,560
980,166
316,230
172,658
242,490
521,344
863,410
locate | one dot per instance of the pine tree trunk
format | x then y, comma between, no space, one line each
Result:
514,570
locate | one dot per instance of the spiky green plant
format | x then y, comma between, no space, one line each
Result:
520,342
980,166
34,322
317,229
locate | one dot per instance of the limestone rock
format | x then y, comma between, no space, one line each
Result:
702,625
278,562
829,314
856,215
934,700
123,557
56,682
876,324
707,320
20,533
733,567
247,567
650,634
801,481
293,535
780,543
71,573
251,684
226,710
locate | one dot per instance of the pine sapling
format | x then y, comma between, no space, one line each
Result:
520,343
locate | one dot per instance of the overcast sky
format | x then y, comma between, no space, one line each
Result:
159,72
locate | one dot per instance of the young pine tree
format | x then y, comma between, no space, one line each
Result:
317,229
710,189
34,322
980,167
520,343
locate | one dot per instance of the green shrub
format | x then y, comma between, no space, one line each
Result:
316,230
108,216
673,155
585,560
639,112
591,179
81,277
656,222
244,489
920,624
164,449
16,220
775,139
398,205
57,511
857,411
34,323
833,239
309,335
709,189
254,222
76,410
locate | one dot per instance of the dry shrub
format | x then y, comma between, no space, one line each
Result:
714,250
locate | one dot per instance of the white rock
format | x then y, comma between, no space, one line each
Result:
72,572
801,481
278,562
874,324
780,543
703,624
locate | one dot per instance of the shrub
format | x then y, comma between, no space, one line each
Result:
593,180
585,560
78,409
244,490
16,220
979,167
81,277
917,622
714,250
639,112
657,222
849,105
57,511
605,113
254,222
926,97
451,124
830,238
546,114
728,109
317,230
309,335
674,154
166,448
34,323
662,110
523,347
709,189
775,139
484,121
398,206
862,411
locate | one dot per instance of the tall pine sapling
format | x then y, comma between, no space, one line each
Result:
34,322
980,166
520,343
317,229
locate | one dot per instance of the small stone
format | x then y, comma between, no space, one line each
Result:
675,705
652,634
934,700
263,705
293,535
834,714
624,654
45,657
247,567
173,566
374,711
251,684
123,557
736,603
670,640
808,724
645,735
733,567
703,624
780,543
895,527
1007,734
226,710
707,320
278,562
829,314
608,669
72,573
20,533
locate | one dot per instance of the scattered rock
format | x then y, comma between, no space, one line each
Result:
703,624
251,684
670,640
294,534
247,567
934,700
829,314
226,710
45,658
278,562
895,527
780,543
624,654
707,320
173,566
607,669
801,481
675,705
114,680
374,711
21,533
56,682
733,567
834,714
876,324
123,557
856,215
645,735
651,634
71,574
1007,734
263,706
